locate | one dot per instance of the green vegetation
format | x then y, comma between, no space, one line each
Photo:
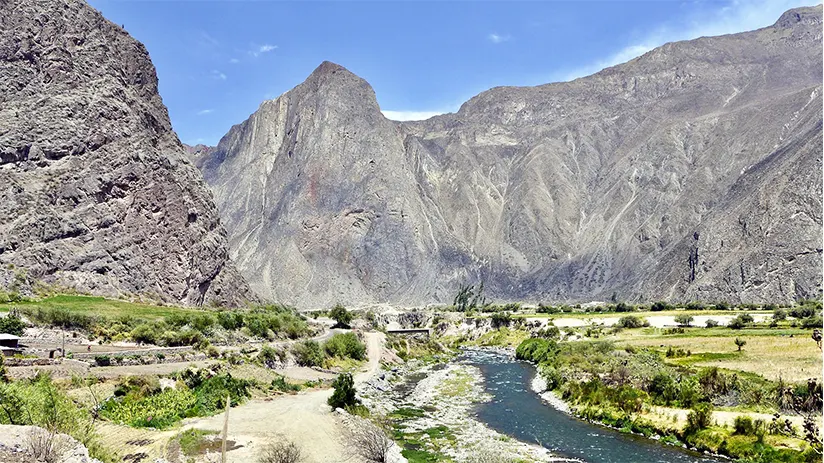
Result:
199,393
618,387
344,394
112,320
40,402
345,345
342,316
12,324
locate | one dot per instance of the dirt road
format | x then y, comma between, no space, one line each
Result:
304,418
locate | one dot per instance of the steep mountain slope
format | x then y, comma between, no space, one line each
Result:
693,171
95,189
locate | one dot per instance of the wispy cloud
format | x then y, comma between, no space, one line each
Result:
739,16
204,112
498,38
261,49
207,39
411,115
217,75
234,60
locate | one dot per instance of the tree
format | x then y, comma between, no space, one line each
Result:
779,314
345,394
817,337
684,319
12,325
740,343
342,316
711,323
700,417
468,298
631,321
659,306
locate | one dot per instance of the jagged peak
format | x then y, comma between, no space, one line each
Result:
802,15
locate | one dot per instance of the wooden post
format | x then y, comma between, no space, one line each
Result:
225,430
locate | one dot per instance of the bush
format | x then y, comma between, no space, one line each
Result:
711,323
345,345
812,322
684,319
536,350
659,306
270,356
280,451
743,426
631,321
736,323
779,314
342,316
344,393
624,307
700,417
500,319
308,353
12,324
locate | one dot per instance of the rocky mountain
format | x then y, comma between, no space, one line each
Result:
96,192
691,172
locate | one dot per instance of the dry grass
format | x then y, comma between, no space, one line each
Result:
794,358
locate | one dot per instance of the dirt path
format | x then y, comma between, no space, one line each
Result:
304,418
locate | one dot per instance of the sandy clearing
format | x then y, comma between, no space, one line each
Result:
304,418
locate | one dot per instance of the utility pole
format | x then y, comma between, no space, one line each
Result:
64,342
225,431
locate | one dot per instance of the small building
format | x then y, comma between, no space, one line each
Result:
9,344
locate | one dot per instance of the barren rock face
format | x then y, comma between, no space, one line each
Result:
692,172
96,192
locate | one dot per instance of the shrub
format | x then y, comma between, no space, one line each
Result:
812,322
308,353
345,345
280,451
684,319
711,323
270,356
779,314
145,333
500,319
624,307
659,306
344,393
736,323
102,360
536,350
696,305
230,320
743,426
12,324
342,316
631,321
722,306
700,417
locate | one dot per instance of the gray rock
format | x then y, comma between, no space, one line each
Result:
691,172
96,192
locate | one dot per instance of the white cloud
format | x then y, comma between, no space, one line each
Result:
204,112
739,16
217,75
498,38
234,60
410,115
259,50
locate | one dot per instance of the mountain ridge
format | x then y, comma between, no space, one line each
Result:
564,192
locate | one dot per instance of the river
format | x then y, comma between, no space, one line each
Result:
517,411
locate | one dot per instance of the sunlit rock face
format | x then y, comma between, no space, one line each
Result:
96,192
691,172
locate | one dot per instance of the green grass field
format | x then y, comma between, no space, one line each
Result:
670,313
91,305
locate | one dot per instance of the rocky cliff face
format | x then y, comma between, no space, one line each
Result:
692,172
96,192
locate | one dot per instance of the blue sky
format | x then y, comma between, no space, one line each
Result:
218,60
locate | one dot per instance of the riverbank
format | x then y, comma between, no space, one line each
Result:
432,406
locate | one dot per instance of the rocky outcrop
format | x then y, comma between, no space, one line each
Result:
96,192
691,172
